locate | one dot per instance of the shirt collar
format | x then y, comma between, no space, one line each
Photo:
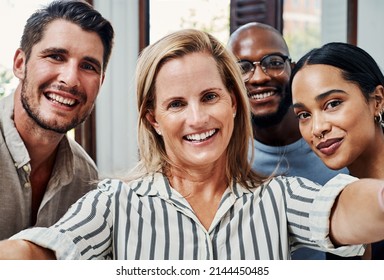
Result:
64,165
12,138
158,184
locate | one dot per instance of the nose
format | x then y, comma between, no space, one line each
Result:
197,115
70,75
320,126
258,76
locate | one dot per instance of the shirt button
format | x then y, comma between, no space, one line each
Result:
27,185
26,168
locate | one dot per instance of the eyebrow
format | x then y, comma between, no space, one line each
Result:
54,50
320,97
211,89
201,93
64,51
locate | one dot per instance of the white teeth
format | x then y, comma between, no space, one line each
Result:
62,100
201,136
262,95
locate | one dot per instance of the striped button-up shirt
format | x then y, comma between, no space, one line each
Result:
148,219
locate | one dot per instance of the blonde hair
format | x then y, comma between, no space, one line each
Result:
152,154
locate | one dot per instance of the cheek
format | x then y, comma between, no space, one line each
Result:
168,123
228,120
94,91
357,118
91,86
283,79
40,68
360,129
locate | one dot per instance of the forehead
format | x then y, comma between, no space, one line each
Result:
191,73
67,35
319,75
257,42
313,80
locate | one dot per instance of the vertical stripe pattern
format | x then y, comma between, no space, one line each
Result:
147,219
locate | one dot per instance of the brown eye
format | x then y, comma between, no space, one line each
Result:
302,115
332,104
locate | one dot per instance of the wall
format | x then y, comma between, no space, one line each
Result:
370,29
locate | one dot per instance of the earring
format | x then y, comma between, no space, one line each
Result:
234,114
158,131
379,118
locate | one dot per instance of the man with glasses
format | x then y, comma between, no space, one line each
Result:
264,60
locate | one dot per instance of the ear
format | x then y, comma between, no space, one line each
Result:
19,61
379,99
152,120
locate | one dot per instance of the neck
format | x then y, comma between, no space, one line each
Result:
203,189
206,180
370,164
284,133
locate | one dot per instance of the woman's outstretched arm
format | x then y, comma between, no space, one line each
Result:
24,250
358,214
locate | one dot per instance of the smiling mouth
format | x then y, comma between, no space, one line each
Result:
200,137
65,101
259,96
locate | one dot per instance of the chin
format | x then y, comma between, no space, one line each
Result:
334,165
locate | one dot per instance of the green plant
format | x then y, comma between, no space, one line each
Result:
6,76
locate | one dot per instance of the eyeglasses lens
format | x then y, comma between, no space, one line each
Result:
272,65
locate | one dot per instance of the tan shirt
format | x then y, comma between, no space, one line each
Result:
70,180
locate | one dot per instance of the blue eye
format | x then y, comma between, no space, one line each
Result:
175,104
210,96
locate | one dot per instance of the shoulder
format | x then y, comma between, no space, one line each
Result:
111,185
81,157
140,187
292,184
148,185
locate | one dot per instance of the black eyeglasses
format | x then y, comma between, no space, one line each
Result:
272,65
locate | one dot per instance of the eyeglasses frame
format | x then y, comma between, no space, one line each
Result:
258,63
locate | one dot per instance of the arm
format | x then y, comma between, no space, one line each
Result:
87,225
24,250
358,213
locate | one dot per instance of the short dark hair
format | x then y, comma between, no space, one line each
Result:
356,65
77,12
